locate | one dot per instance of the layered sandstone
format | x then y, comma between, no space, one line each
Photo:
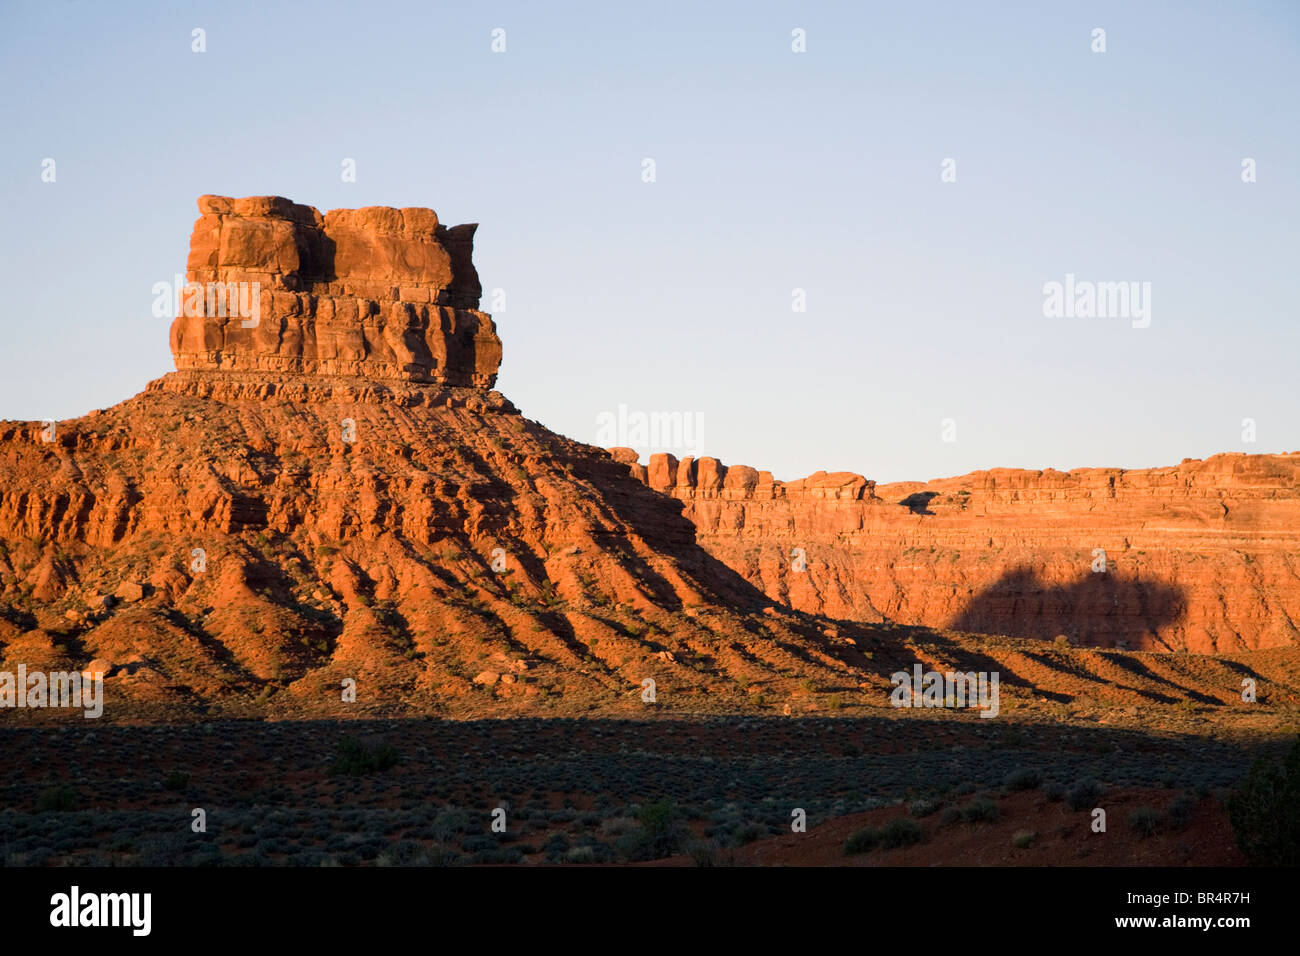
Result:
334,494
377,293
1202,556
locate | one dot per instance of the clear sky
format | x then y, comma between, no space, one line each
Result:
774,171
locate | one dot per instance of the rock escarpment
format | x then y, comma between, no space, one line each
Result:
1203,556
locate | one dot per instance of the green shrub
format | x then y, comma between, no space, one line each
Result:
1178,815
57,800
1054,791
1023,779
922,807
177,780
1144,821
1265,811
901,831
660,833
355,759
703,854
980,810
1024,839
1083,795
861,841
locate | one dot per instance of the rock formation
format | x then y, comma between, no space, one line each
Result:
335,492
328,491
376,293
1203,556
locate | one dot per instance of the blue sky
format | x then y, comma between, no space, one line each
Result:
774,170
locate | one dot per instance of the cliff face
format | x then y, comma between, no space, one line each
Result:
1203,556
376,292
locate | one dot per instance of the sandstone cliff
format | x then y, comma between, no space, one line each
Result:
1203,556
376,292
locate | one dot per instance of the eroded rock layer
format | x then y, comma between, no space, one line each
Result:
1203,556
327,495
377,292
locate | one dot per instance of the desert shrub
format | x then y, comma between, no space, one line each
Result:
403,853
177,780
658,835
950,816
557,845
440,855
57,800
1025,778
1144,821
901,831
355,759
478,843
922,807
1024,839
746,834
499,855
449,822
1265,811
1083,795
617,826
861,841
980,810
1054,791
1178,815
703,854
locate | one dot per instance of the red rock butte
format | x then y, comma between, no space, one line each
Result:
376,293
